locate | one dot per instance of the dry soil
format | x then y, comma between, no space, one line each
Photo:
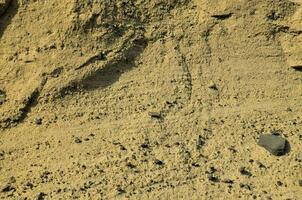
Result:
157,99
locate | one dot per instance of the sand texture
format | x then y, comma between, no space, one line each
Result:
157,99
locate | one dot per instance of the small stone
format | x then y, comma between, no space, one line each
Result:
228,181
212,86
222,16
158,162
213,178
157,115
29,185
41,196
199,143
300,183
244,171
77,140
145,145
38,121
8,188
121,190
275,144
130,165
279,183
245,186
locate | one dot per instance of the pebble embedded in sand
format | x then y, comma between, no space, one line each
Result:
38,121
222,15
77,140
212,86
244,171
275,144
157,115
41,196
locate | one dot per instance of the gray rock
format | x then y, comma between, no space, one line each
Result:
275,144
212,86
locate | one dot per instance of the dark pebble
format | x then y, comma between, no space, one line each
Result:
213,178
245,186
159,162
8,188
121,191
77,140
38,121
41,196
222,16
199,143
145,146
157,115
130,165
275,144
29,185
279,183
244,171
213,86
300,183
228,181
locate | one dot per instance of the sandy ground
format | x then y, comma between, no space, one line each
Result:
159,99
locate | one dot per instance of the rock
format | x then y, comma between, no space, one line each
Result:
244,171
41,196
213,178
212,86
245,186
279,183
8,188
222,16
199,143
275,144
38,121
29,185
77,140
121,190
145,145
158,162
157,115
228,181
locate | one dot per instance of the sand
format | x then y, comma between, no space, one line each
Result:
159,99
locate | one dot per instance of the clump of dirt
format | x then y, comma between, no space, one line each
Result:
149,99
